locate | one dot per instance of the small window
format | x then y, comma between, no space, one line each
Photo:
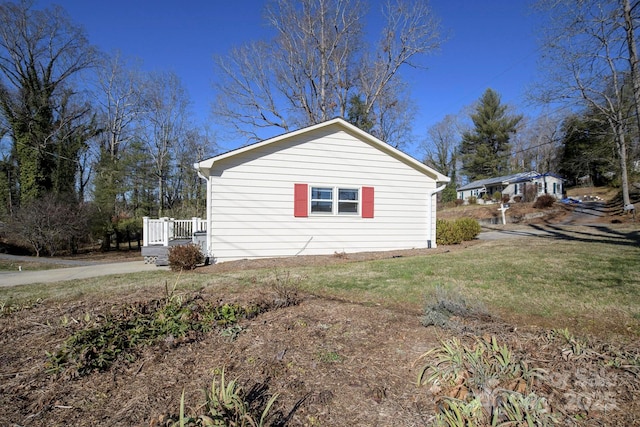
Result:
321,200
324,200
348,201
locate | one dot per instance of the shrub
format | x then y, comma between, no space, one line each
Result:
517,199
497,196
544,201
469,228
459,202
185,257
456,231
505,198
472,200
449,303
530,193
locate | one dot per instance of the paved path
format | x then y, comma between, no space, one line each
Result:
584,214
72,273
46,260
495,232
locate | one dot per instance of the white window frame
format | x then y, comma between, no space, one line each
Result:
335,200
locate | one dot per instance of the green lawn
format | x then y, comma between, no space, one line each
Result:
581,280
27,265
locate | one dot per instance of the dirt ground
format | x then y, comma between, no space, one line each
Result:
331,362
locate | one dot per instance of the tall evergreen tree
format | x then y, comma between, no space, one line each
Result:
485,150
586,149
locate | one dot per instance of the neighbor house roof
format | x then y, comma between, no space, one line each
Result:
505,180
206,165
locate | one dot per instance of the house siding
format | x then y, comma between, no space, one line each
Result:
252,199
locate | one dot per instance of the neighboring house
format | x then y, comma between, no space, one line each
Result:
514,185
324,189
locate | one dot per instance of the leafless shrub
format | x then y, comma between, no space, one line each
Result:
49,224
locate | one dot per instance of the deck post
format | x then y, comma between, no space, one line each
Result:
165,229
195,222
145,231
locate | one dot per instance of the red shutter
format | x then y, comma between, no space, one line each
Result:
300,204
367,202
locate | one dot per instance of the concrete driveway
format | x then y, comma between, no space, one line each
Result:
79,270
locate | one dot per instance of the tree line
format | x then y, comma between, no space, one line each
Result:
591,131
92,139
89,139
89,142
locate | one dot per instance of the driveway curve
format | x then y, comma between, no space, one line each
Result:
78,270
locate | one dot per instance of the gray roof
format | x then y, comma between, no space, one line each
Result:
507,179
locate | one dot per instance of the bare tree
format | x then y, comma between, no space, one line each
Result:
440,150
630,17
119,95
587,65
164,126
412,30
317,63
441,145
40,52
536,145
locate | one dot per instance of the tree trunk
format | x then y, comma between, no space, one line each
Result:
633,59
622,152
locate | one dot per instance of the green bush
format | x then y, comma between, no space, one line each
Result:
185,257
456,231
472,200
469,228
497,196
544,201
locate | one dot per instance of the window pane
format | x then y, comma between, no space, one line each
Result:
347,194
321,206
322,193
348,207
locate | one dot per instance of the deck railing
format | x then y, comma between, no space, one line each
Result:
162,230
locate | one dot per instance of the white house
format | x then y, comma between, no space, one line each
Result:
514,185
322,189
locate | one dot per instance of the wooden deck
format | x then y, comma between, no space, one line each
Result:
159,254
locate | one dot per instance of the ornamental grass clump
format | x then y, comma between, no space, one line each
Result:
227,404
483,385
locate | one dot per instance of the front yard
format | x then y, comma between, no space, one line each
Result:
348,353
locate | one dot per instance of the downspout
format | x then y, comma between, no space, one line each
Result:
196,166
431,243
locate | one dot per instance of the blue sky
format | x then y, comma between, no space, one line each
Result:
491,43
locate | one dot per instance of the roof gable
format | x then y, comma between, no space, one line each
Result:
206,165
